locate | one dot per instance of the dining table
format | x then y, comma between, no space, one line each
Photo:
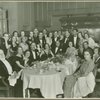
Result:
50,82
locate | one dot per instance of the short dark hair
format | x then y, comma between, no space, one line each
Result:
5,33
14,32
87,34
75,29
26,51
85,42
90,52
98,49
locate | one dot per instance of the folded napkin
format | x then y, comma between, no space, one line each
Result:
13,78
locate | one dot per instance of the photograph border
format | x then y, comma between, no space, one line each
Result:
11,1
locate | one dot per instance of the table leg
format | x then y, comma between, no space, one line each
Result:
23,93
28,93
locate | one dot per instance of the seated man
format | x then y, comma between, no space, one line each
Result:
5,68
57,49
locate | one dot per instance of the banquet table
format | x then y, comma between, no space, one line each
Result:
50,82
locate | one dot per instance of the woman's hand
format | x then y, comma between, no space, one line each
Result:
21,66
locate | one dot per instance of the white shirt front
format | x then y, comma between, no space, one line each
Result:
8,66
34,55
41,41
75,39
65,40
56,39
56,49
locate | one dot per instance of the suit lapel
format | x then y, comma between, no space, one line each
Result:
3,66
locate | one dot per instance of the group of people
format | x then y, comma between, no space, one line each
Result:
22,50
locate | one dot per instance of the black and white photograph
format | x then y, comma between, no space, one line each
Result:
50,49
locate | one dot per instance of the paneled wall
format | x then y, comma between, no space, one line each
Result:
12,15
48,13
20,15
27,15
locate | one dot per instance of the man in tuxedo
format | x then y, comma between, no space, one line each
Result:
41,40
57,49
2,45
36,35
5,67
44,33
54,39
66,41
5,71
34,56
74,38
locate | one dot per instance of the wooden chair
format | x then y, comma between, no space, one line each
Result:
95,71
4,87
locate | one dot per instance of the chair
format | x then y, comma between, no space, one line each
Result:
4,86
95,72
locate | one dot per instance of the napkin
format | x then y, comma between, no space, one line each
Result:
13,78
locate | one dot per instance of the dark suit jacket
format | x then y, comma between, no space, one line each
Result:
3,70
65,45
53,43
77,40
36,40
59,51
32,57
2,45
43,42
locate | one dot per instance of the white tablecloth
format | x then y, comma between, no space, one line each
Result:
50,83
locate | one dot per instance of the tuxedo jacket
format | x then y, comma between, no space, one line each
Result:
54,42
3,70
45,56
32,59
43,42
65,44
59,51
2,45
36,39
77,41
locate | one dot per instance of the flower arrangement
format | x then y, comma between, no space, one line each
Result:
58,59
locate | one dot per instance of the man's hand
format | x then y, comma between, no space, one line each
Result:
0,77
99,70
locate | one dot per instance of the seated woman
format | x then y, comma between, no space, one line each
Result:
18,64
71,49
13,46
15,34
24,44
27,61
46,53
71,63
90,40
82,82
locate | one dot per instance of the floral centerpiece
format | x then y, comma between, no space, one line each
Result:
58,59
